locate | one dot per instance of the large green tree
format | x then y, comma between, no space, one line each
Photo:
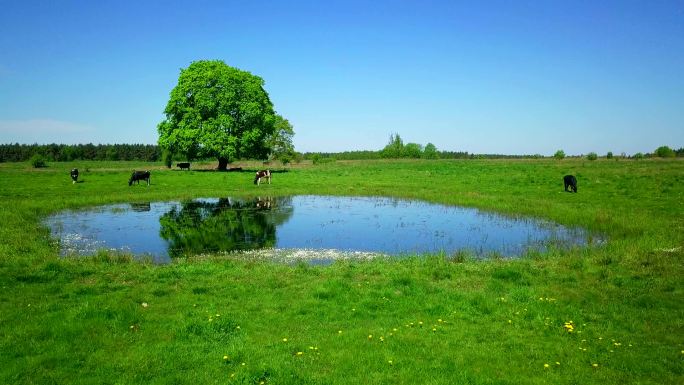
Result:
219,111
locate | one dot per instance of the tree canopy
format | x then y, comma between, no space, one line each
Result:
280,141
219,111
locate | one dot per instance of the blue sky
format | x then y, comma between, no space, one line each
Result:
513,77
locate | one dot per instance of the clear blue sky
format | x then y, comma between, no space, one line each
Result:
508,77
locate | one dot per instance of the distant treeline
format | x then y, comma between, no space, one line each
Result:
67,152
152,153
361,155
368,154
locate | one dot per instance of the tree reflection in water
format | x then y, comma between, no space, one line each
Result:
226,224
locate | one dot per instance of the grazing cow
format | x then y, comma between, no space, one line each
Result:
184,165
74,175
265,174
137,176
570,181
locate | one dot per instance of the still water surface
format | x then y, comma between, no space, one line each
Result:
164,230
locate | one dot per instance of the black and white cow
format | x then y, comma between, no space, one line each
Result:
137,176
74,175
184,165
262,174
570,181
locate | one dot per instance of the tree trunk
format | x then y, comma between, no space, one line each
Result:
223,164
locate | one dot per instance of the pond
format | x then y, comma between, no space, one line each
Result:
326,226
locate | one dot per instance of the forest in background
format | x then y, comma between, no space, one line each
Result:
152,153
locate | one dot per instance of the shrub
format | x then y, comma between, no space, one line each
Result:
664,152
38,160
430,151
592,156
412,150
285,158
609,155
298,157
560,154
638,156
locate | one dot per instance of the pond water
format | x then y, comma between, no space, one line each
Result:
349,226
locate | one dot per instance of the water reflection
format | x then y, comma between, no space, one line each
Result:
141,207
202,226
319,224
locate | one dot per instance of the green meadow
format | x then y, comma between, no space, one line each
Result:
611,313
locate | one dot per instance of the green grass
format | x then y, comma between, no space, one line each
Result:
82,321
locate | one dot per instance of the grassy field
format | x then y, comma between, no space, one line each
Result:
612,314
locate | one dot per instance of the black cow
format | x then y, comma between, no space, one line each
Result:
74,175
184,165
137,176
265,174
570,181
